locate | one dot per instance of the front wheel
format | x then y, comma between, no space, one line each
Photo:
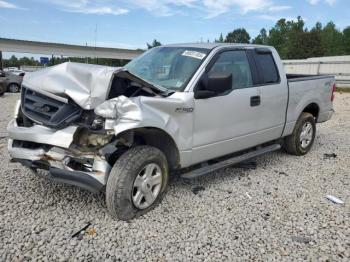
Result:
301,140
137,182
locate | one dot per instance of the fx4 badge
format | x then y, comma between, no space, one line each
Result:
184,110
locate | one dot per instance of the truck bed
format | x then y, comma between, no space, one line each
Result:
305,77
304,89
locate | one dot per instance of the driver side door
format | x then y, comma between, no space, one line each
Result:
226,123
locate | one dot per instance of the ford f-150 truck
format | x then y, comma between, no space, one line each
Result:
194,108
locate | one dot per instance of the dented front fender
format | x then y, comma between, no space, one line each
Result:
171,114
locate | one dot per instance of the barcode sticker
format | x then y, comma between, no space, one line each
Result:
194,54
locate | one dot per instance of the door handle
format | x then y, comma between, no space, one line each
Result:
255,101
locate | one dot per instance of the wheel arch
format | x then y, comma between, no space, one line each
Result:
157,138
312,108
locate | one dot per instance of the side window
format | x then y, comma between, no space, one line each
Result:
267,69
235,62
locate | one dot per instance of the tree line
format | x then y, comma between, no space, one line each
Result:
293,40
13,61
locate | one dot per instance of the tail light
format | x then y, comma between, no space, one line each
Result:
334,88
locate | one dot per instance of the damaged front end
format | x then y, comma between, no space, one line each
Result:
69,124
55,128
73,154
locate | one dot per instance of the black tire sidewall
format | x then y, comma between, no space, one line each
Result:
304,119
9,88
125,171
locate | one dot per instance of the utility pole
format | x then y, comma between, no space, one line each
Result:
96,44
1,67
86,58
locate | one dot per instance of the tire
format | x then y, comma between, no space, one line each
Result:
301,140
129,180
13,88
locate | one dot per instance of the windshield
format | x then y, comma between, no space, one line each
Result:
168,67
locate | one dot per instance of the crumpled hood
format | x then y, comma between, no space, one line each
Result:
86,84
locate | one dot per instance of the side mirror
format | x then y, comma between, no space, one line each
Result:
2,74
204,94
214,84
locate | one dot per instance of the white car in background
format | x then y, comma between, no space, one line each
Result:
14,70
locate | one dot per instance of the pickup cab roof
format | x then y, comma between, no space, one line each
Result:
211,46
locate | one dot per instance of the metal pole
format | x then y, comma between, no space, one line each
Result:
1,65
318,68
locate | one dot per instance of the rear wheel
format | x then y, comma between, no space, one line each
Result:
13,88
301,140
137,182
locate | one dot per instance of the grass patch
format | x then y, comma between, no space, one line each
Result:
343,89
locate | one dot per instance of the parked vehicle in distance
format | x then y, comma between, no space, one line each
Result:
14,70
11,68
11,81
192,107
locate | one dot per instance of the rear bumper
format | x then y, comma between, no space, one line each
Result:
41,148
325,116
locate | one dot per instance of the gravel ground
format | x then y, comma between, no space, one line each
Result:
277,211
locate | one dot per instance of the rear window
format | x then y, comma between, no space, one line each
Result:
267,68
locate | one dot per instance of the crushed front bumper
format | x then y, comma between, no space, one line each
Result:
44,149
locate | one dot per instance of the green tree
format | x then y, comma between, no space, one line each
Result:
154,44
239,35
295,36
346,41
293,41
262,38
13,61
313,42
220,40
278,37
310,45
332,40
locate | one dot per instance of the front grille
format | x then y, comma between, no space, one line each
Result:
48,111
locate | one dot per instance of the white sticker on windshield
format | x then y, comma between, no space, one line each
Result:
194,54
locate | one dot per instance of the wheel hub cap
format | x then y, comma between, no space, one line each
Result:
306,135
147,186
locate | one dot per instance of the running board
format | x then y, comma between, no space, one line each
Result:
229,162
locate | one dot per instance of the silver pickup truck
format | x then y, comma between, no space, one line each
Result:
194,108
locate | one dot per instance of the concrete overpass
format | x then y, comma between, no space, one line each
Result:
33,47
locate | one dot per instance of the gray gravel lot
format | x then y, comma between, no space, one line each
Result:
277,211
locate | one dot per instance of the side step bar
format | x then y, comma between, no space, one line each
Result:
229,162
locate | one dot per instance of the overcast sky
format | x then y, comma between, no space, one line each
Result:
131,24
